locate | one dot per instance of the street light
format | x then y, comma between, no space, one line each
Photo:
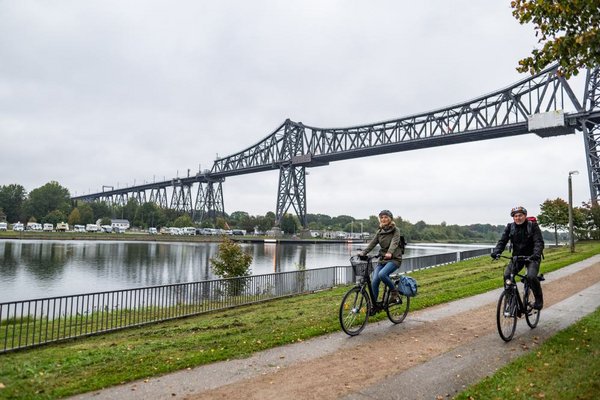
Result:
571,239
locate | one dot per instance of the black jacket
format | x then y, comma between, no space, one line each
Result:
526,239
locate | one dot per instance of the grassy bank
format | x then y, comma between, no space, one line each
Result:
83,365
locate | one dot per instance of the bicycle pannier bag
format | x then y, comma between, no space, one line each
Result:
407,286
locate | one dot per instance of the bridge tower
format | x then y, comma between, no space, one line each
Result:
209,201
292,176
182,196
590,126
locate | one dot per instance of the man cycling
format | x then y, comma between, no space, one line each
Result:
526,239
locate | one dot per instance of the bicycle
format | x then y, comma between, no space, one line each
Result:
511,306
358,303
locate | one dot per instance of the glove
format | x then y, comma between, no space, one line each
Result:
535,258
495,256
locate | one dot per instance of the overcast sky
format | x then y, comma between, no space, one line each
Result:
120,93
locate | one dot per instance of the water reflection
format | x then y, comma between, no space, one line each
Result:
33,269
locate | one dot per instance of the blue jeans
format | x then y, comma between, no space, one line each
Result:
382,273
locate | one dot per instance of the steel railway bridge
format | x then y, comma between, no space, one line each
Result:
544,104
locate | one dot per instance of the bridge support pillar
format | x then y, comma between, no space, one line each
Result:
209,202
591,131
292,192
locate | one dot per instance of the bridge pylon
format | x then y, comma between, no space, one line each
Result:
209,201
590,125
182,197
292,176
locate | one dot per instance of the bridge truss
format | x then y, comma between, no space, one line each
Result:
544,104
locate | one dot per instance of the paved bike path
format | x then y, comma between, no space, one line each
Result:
444,374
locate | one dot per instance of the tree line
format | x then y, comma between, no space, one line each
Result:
51,203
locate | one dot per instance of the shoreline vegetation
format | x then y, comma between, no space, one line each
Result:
145,237
87,364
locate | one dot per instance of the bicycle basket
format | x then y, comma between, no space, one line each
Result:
361,267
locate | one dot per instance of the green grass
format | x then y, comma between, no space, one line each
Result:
86,364
567,366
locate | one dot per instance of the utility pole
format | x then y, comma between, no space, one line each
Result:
571,238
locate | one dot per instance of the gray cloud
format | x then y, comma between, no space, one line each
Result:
105,93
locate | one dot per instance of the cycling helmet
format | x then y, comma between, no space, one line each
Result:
386,212
519,209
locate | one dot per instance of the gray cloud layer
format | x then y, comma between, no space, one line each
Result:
111,93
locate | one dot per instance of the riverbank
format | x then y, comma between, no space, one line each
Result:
145,237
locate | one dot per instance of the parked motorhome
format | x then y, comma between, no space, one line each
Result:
3,226
33,226
120,223
106,228
92,228
48,227
188,230
18,227
79,228
62,227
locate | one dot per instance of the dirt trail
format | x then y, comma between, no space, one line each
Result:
351,369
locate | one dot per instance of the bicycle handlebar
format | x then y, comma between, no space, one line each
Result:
516,258
365,257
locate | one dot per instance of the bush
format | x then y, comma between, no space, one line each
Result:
232,262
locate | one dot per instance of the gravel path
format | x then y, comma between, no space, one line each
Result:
435,353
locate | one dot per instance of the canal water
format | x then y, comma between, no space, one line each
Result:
32,269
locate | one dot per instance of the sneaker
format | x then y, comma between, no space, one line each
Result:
394,297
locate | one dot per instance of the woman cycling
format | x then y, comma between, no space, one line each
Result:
390,252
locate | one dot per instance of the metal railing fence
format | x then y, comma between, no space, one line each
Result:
29,323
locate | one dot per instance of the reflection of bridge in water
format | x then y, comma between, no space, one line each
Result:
544,104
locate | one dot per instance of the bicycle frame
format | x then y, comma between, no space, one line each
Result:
359,303
512,306
366,280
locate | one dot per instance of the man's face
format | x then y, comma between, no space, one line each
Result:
519,218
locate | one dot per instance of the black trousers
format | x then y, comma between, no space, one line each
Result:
533,269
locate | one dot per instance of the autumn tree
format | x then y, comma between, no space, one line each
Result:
232,262
567,30
74,217
554,214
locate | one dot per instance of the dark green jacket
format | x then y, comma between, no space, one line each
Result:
389,242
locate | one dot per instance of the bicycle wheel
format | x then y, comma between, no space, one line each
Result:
532,316
506,316
354,311
397,311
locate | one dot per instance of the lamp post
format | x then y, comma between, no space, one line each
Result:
571,239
